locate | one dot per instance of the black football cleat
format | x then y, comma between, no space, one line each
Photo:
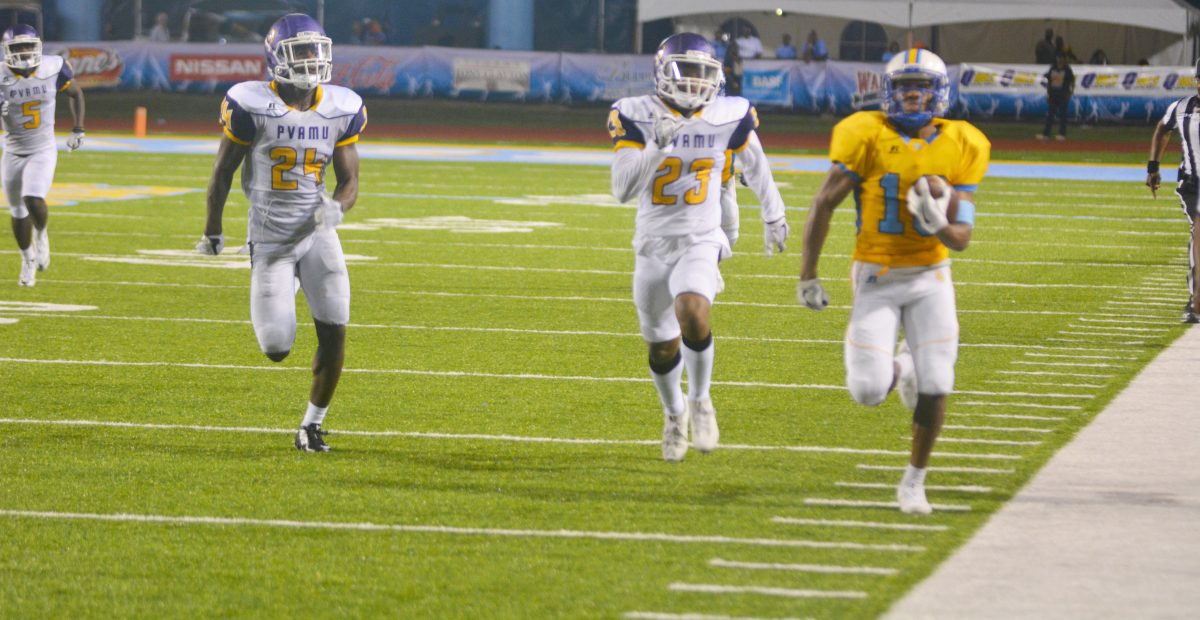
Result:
311,439
1189,315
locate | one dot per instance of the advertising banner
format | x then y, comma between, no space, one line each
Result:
605,78
768,83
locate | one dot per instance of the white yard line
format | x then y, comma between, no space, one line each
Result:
1022,405
996,429
1067,364
1114,328
935,469
809,568
983,442
708,588
871,525
849,503
449,530
1048,383
1049,373
1095,332
1069,356
664,615
968,488
1010,416
484,437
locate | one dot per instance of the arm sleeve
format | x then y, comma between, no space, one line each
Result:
758,175
623,131
356,127
237,122
741,135
1168,119
632,170
65,75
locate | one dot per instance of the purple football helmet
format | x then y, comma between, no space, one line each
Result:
298,52
687,73
22,47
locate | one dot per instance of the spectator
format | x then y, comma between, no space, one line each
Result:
1142,62
160,33
720,44
1060,47
374,33
1043,52
1098,58
786,51
734,72
1060,85
356,33
749,46
814,48
892,50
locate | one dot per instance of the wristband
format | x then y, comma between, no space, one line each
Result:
1152,166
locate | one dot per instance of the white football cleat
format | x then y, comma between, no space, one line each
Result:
906,382
675,441
912,499
705,433
41,244
28,272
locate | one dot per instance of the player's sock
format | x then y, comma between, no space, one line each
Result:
314,415
913,476
28,253
666,378
698,358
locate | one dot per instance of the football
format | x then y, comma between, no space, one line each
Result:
937,188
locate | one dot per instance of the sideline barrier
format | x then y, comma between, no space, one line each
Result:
1103,93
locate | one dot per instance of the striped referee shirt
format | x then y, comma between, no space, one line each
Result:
1184,116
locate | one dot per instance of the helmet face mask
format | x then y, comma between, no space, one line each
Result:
22,48
299,53
687,73
916,88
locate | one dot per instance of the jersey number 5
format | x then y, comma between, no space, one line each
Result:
286,156
670,171
32,109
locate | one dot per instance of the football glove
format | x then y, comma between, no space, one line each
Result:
76,139
928,211
666,125
812,294
774,236
4,108
211,245
329,214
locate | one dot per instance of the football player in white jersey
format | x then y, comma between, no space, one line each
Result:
287,131
673,153
29,84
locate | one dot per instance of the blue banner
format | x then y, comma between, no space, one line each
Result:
768,83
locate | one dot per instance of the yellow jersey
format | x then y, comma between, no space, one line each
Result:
885,163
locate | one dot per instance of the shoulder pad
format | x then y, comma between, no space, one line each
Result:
257,98
49,67
863,123
726,110
642,108
338,101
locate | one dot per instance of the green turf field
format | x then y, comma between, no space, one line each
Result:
495,434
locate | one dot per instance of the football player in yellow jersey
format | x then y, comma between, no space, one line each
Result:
901,269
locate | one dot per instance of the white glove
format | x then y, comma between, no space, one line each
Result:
812,294
666,125
730,217
211,245
929,212
774,235
329,214
76,139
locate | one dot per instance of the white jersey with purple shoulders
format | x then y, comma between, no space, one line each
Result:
284,173
29,124
684,197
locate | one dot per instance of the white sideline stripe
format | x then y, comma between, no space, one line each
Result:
875,525
1048,373
948,470
662,615
462,531
1023,405
967,488
1068,364
807,568
1067,385
1012,416
997,429
850,503
710,588
984,442
512,438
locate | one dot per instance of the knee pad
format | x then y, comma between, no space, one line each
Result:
275,342
19,212
935,368
866,391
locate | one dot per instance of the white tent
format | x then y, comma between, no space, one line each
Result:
1166,15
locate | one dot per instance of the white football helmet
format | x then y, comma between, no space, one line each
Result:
915,69
687,73
22,47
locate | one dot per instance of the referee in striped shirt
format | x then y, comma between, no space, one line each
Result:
1183,116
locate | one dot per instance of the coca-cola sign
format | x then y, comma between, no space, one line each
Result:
369,73
94,66
220,68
